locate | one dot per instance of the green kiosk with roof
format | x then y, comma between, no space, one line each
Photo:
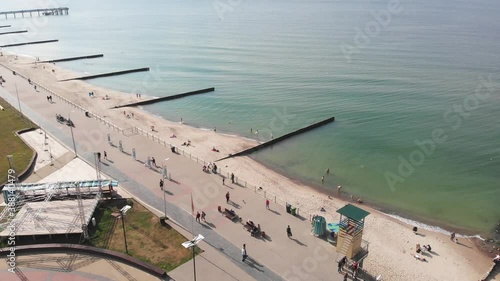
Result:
350,237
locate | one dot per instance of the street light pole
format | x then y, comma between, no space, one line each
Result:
72,136
124,235
19,103
164,176
192,244
123,211
11,165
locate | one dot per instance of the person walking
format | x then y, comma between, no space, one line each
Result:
244,254
223,180
289,232
341,264
267,204
232,177
322,179
105,155
227,197
203,215
161,184
452,237
198,215
153,160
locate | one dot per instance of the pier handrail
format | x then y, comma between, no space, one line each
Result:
34,10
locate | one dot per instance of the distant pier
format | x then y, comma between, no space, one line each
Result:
4,26
151,101
29,43
276,140
71,59
13,32
107,74
44,12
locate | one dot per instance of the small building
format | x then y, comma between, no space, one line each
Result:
350,237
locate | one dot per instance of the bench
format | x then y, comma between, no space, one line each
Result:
230,214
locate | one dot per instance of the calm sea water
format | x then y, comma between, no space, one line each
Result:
280,65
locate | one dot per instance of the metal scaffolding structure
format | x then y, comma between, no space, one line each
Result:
49,208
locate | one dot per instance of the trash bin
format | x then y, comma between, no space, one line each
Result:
293,211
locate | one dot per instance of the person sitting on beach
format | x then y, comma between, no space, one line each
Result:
496,260
173,136
322,209
427,248
360,200
418,257
418,249
204,168
184,144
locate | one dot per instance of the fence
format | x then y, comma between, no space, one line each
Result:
74,105
258,190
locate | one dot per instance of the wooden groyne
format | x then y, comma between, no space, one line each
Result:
29,43
73,58
276,140
13,32
108,74
151,101
43,12
4,26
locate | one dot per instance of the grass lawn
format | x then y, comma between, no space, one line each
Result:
10,144
147,239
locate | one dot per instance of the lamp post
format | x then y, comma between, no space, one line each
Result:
11,165
164,176
123,211
9,158
19,103
72,136
192,244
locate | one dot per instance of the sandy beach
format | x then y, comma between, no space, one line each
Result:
392,243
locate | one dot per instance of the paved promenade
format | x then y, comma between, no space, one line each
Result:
304,257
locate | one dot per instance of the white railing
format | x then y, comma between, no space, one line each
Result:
258,190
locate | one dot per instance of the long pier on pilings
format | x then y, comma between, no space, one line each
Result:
40,12
4,26
151,101
71,59
13,32
29,43
282,138
108,74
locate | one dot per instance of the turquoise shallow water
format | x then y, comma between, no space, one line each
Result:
278,66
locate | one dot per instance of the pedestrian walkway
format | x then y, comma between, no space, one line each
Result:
304,257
